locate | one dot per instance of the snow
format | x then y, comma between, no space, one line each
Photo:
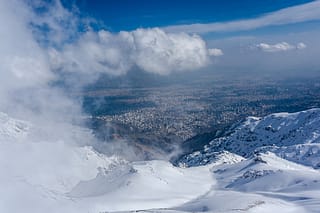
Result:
262,183
70,178
214,158
148,185
306,154
57,176
286,134
233,201
12,128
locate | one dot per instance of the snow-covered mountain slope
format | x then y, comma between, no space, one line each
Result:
267,172
12,128
306,154
262,183
282,133
55,176
148,185
199,158
273,177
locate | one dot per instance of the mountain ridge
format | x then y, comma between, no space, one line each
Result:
57,176
281,133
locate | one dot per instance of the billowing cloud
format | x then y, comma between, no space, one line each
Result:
22,61
44,45
301,46
53,24
152,50
43,42
296,14
160,52
215,52
280,47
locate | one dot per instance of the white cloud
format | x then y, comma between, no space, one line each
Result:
152,50
31,59
215,52
160,52
301,46
280,47
296,14
22,60
60,24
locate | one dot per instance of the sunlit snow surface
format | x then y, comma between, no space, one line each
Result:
41,176
295,137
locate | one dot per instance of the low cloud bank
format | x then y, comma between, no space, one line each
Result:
280,47
152,50
215,52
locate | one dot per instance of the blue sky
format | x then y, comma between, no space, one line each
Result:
119,15
91,37
45,41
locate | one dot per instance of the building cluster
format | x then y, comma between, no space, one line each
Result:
188,111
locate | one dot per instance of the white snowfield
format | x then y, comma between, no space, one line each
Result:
42,176
293,136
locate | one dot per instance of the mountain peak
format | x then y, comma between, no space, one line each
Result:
282,133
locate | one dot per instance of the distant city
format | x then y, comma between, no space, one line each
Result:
175,114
